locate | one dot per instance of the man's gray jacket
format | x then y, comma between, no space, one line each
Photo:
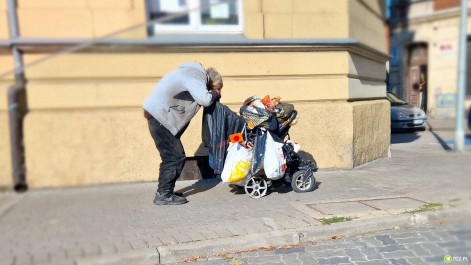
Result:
178,96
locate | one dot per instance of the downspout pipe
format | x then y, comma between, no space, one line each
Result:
17,106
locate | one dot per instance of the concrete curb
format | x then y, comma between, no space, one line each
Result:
137,256
216,247
181,252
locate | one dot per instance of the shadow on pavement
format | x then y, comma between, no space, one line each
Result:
287,188
201,185
441,141
401,137
237,190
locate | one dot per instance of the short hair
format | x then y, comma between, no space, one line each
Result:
215,79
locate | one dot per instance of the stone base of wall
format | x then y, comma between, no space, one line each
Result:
342,134
69,148
371,130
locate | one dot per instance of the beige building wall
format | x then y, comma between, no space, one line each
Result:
6,63
443,65
4,33
441,33
85,122
367,25
5,153
78,18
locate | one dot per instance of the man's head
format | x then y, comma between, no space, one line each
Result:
215,79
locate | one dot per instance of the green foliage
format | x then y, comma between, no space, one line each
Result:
433,206
335,219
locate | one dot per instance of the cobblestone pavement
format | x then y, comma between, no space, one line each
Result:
413,246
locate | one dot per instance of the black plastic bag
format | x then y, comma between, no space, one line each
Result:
259,139
283,111
218,123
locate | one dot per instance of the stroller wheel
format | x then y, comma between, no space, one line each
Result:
303,181
256,187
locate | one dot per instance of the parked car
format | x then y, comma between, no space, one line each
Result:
405,115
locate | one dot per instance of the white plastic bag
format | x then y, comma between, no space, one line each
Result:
274,162
237,164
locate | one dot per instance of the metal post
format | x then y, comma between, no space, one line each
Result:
17,110
460,92
17,105
14,34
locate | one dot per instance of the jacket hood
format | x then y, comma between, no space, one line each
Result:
196,68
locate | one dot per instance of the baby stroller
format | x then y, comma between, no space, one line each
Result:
275,124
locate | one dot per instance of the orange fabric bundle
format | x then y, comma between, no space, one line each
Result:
236,138
267,102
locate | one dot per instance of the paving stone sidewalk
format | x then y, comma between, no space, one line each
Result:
87,224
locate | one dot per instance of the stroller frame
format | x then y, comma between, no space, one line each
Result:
299,172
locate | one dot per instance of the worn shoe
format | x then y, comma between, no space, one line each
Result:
169,200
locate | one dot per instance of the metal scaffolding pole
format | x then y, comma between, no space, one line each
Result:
460,93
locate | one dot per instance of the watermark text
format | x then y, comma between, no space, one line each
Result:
450,259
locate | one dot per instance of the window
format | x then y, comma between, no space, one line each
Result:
196,16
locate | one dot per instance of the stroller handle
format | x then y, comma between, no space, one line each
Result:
293,116
283,130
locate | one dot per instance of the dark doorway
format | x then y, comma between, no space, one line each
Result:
413,85
417,75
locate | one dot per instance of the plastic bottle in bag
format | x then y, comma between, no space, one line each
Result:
240,171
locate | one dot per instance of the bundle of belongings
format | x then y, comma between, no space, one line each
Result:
251,149
262,122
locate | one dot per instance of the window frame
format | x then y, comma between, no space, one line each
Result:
195,26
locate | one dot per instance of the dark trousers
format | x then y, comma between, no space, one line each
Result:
172,154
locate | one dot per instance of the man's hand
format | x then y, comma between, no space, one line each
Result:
216,93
